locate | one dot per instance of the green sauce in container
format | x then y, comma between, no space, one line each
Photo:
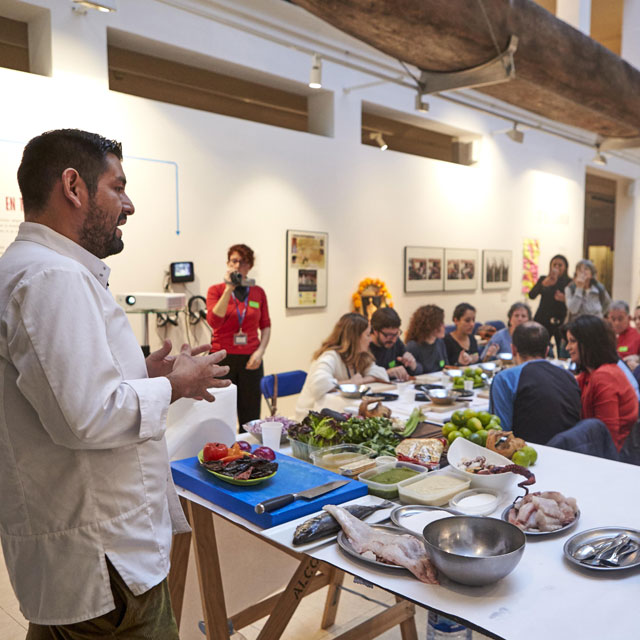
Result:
393,476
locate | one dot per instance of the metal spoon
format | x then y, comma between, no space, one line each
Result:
619,552
589,550
618,542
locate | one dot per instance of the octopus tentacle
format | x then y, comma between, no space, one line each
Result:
530,478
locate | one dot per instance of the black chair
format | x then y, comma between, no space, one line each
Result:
630,452
590,437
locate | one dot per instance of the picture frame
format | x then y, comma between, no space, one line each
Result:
497,267
461,269
306,269
423,269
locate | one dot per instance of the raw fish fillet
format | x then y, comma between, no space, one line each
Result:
400,549
543,511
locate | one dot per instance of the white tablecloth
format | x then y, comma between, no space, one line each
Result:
191,423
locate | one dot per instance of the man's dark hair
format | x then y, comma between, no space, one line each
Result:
531,340
596,341
48,155
385,318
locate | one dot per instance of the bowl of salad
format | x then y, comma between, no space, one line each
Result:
254,427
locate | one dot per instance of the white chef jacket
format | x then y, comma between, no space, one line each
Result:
84,469
323,377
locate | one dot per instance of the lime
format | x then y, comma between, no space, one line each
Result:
497,419
469,413
447,428
466,432
453,435
484,417
458,418
476,438
521,457
468,372
493,425
474,424
531,452
483,434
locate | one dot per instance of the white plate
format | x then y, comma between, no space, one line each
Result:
283,533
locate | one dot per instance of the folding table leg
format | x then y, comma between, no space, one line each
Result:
336,576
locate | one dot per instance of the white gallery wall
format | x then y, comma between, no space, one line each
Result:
240,181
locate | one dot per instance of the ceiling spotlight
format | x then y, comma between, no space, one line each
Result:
377,137
515,134
599,158
106,6
315,77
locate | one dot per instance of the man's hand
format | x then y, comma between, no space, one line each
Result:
408,360
191,376
160,363
398,373
254,361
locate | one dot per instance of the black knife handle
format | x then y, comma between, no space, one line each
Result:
275,503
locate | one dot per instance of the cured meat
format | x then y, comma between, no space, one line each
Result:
400,549
543,511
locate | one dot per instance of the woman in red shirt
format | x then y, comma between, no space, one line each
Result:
606,393
238,313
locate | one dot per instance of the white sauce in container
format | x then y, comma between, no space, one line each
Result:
476,500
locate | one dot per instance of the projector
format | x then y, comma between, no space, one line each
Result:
142,302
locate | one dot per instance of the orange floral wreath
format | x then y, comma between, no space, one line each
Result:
374,287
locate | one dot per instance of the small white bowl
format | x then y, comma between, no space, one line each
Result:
380,460
481,507
462,449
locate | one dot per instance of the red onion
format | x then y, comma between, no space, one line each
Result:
266,453
244,445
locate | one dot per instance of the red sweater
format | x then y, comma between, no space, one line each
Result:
257,317
608,395
629,342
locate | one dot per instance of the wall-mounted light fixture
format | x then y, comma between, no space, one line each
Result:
315,77
106,6
599,158
377,137
515,134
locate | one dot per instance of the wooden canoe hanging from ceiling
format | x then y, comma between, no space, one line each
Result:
560,73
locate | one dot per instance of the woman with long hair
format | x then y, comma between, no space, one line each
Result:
461,344
606,393
343,357
500,342
425,338
552,309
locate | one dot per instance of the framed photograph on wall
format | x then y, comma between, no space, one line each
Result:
423,269
306,269
496,269
461,269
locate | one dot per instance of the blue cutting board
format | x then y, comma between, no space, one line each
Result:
293,475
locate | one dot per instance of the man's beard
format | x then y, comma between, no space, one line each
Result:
96,235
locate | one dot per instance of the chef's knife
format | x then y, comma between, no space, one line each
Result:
308,494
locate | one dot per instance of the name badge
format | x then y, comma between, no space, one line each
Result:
392,364
623,349
240,338
254,304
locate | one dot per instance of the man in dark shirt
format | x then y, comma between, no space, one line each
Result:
536,399
387,348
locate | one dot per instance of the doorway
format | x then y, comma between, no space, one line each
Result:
599,225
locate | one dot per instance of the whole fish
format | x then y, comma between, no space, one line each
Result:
325,524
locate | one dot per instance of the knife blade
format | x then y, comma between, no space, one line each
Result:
308,494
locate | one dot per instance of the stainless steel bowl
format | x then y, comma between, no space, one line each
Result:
474,550
353,390
441,396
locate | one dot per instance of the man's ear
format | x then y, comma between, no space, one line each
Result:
73,187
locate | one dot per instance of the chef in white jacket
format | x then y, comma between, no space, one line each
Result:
344,357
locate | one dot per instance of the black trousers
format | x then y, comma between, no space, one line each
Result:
248,383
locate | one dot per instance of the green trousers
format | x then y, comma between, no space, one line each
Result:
145,617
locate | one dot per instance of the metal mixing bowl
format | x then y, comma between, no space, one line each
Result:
441,396
474,550
353,390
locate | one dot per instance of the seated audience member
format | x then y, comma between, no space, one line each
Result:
343,357
606,392
500,342
535,399
387,347
627,337
584,295
461,344
425,338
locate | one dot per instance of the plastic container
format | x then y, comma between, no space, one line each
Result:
441,628
382,460
388,490
435,488
332,458
476,502
302,450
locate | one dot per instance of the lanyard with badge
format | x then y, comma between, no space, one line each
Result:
240,338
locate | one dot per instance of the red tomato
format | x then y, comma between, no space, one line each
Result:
214,451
